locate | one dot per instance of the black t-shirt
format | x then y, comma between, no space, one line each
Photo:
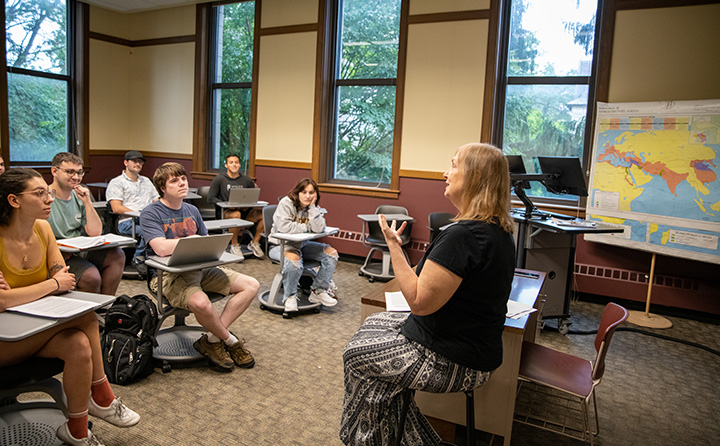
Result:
468,328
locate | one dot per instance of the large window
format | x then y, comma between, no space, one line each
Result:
231,70
38,79
549,80
362,125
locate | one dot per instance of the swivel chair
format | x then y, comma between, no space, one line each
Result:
372,237
207,210
437,220
31,422
273,298
175,343
556,375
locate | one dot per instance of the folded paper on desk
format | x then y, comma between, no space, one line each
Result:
573,223
55,307
395,301
516,309
91,242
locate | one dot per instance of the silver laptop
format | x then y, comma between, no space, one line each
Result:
206,248
244,196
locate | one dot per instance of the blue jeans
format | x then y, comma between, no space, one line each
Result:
292,270
125,228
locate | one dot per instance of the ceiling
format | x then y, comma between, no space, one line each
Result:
128,6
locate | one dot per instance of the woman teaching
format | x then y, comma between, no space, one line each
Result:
452,339
32,267
296,213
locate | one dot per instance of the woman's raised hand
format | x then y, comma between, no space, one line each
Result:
392,236
65,279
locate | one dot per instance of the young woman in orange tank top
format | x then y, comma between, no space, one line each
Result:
31,268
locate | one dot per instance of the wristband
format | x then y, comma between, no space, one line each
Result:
56,281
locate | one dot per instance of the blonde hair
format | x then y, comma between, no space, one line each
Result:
486,185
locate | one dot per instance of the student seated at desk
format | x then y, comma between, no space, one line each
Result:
220,191
32,267
170,218
127,192
452,340
96,271
296,213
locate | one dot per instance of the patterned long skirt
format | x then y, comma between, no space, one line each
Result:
380,365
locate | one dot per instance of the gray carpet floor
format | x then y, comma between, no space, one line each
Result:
655,392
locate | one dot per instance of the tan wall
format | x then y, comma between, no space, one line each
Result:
286,94
435,6
142,97
666,54
110,102
288,12
444,88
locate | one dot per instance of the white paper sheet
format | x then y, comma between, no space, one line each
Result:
395,301
517,309
55,307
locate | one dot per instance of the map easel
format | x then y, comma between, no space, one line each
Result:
645,319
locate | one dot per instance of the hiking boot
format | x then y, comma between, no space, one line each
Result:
256,249
117,413
63,433
291,303
240,355
215,351
322,297
237,250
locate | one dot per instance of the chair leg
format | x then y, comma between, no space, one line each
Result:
406,396
470,416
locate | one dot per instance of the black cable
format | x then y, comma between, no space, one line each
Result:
648,333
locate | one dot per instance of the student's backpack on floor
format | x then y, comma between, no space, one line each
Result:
128,338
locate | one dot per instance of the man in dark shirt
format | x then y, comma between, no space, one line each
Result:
220,191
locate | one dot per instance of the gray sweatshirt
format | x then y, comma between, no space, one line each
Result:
288,219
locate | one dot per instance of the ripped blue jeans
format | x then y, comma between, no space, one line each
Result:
292,270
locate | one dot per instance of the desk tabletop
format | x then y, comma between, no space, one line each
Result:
114,241
17,326
224,259
226,223
227,204
304,236
389,217
526,286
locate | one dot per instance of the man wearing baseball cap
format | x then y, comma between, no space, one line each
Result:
131,191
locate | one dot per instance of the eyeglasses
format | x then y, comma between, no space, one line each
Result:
41,193
72,173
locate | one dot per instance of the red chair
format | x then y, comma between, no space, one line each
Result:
572,378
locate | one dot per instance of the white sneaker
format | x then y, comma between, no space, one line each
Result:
332,289
237,250
63,433
291,303
256,249
322,297
117,414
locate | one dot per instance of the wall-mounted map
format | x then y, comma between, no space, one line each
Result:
656,172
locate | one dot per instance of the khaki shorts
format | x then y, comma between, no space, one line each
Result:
178,288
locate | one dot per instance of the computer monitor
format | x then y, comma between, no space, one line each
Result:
565,175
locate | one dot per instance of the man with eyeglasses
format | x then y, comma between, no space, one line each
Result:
72,215
131,191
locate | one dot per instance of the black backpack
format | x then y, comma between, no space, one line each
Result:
128,338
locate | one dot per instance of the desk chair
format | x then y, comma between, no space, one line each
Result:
207,209
31,422
436,220
409,394
273,298
129,272
175,343
566,377
372,237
